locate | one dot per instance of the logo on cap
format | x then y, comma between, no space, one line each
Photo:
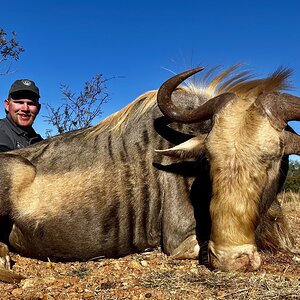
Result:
26,82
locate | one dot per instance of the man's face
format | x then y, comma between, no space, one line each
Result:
22,110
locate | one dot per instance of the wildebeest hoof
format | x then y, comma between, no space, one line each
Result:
6,274
188,249
4,257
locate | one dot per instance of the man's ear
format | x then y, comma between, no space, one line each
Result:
39,107
6,104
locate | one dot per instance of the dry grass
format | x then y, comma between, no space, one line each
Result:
155,276
288,197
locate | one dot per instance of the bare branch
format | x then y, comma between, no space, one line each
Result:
10,48
79,111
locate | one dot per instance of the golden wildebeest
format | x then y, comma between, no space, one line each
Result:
104,191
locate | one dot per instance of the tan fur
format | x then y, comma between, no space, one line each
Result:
118,120
75,186
66,186
70,184
240,138
223,82
239,169
237,172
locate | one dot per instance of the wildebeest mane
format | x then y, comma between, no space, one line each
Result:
207,86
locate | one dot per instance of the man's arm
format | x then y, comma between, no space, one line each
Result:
4,148
5,142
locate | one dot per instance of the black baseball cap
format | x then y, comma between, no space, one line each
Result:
24,86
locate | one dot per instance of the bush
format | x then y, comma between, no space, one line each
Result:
292,182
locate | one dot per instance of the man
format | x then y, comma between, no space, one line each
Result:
21,107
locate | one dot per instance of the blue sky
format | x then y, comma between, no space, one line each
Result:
69,42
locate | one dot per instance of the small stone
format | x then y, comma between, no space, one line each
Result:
144,263
296,258
17,292
135,265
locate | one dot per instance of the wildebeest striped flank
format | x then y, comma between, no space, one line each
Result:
104,191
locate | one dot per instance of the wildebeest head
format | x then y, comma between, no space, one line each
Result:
245,148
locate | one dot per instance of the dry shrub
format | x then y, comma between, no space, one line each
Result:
286,197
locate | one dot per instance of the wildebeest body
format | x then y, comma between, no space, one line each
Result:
95,194
104,191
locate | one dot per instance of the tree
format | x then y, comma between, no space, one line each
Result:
9,48
292,182
78,111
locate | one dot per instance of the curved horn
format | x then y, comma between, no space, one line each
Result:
288,107
281,107
182,115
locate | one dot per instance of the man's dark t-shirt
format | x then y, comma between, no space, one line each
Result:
13,137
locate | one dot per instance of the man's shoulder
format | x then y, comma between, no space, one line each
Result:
6,142
3,135
5,124
3,121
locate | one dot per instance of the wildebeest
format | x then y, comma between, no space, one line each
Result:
104,191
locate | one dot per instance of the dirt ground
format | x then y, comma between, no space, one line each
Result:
155,276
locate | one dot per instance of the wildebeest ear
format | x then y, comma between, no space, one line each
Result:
292,143
192,148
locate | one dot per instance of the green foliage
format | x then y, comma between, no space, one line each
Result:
292,182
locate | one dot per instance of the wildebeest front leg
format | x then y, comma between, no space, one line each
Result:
179,228
4,257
